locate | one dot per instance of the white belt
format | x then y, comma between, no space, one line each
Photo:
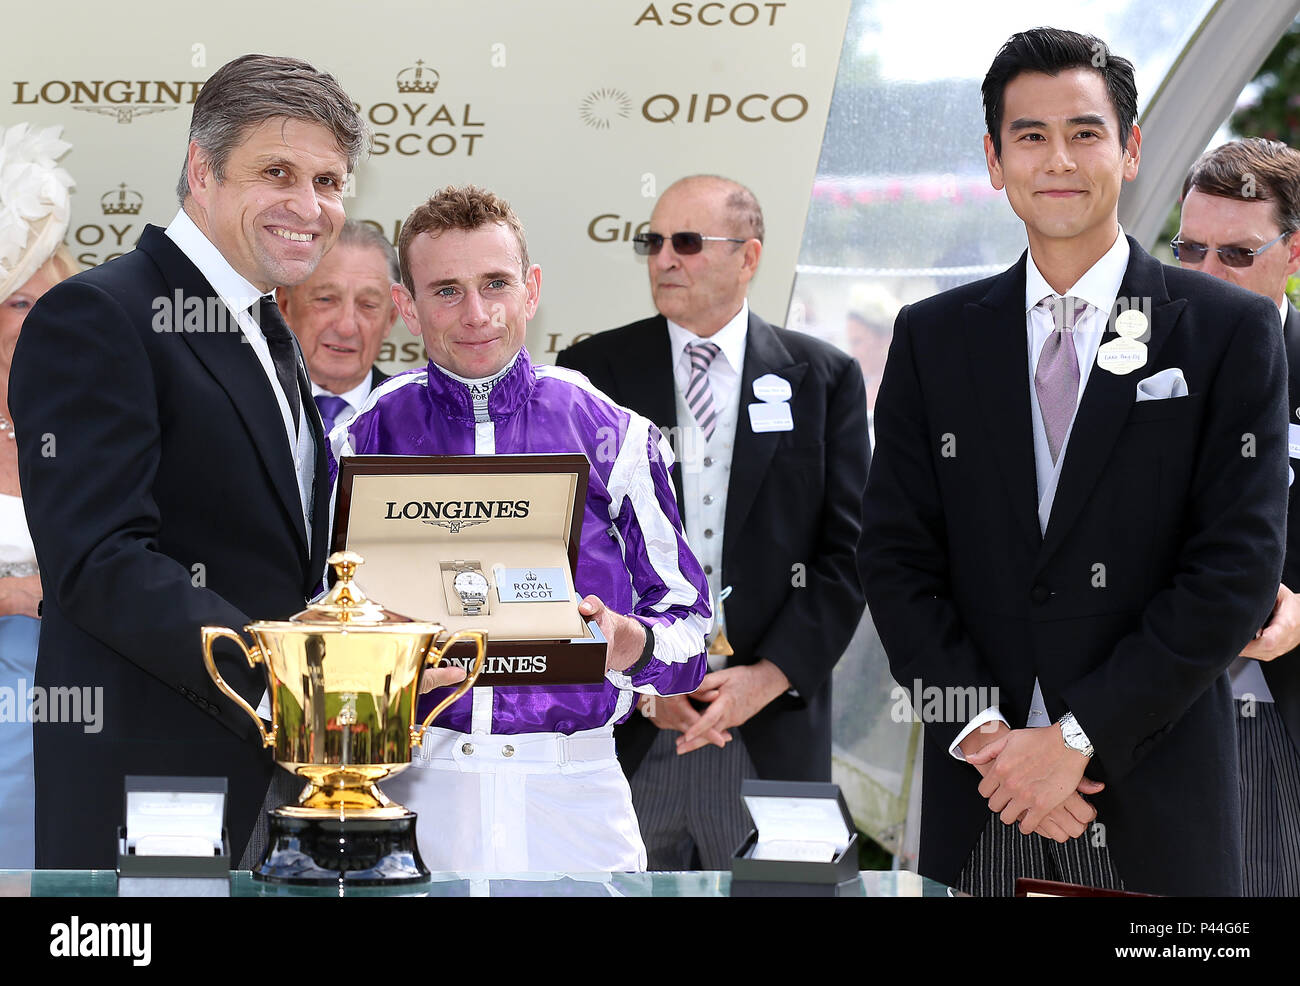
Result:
530,748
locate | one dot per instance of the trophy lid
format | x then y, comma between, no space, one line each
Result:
346,602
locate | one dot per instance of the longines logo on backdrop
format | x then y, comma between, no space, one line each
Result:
125,98
601,108
421,126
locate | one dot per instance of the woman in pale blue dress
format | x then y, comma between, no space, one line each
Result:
33,220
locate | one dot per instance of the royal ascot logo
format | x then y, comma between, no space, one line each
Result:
418,79
121,201
709,14
98,242
121,99
415,125
603,106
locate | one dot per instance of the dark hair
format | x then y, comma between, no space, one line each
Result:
1052,51
254,88
465,207
359,235
1253,169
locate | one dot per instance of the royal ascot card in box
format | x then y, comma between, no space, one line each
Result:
478,542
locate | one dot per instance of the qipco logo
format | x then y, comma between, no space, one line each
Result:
697,107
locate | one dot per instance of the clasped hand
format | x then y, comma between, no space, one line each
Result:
1030,776
732,695
1281,634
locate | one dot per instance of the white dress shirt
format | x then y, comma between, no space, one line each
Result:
706,464
1099,287
239,297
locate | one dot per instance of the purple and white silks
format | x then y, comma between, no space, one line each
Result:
633,553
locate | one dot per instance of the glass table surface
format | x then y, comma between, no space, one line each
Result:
105,883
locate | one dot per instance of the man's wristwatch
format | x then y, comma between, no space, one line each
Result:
472,588
1075,738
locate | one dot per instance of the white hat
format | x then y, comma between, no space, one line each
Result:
34,202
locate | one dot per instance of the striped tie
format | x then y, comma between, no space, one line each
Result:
699,396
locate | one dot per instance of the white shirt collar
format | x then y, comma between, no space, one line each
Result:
1099,285
730,339
1283,308
479,381
355,397
230,285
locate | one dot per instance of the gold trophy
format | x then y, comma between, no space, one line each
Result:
343,680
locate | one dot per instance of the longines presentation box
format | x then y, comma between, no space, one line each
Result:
478,542
175,830
803,844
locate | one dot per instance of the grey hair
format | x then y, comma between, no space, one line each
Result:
254,88
361,235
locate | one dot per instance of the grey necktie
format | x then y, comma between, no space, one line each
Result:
1056,379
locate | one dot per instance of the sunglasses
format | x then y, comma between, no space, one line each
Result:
648,244
1232,256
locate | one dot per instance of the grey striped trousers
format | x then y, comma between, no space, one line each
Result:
691,803
1002,854
1270,802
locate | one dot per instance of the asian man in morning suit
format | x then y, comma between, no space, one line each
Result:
1085,524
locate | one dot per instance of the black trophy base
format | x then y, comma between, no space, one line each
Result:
355,852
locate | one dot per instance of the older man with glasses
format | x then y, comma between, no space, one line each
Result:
772,428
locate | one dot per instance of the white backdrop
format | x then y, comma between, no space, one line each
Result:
579,113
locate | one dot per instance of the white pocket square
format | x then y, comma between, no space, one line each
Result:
1163,385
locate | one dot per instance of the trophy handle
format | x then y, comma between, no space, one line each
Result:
436,653
254,657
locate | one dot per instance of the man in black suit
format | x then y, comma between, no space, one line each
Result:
341,315
1075,514
174,475
1241,209
771,427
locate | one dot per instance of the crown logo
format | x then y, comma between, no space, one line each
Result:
530,576
121,201
417,78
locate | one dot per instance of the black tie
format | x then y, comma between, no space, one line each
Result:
284,355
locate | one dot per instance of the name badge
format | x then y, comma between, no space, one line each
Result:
1122,356
770,387
531,585
770,417
1293,440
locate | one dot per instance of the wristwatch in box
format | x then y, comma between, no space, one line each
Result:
472,588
